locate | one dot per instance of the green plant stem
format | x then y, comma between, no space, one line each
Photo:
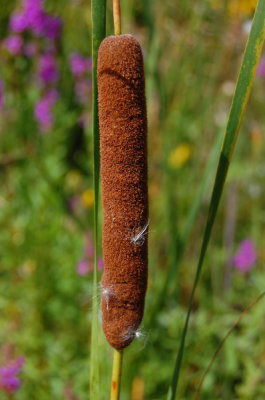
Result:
98,9
116,375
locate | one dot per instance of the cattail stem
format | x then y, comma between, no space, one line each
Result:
117,17
116,375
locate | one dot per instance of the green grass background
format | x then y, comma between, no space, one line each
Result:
192,57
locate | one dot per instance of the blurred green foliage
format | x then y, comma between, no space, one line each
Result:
192,54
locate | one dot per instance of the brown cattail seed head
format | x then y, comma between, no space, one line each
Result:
123,150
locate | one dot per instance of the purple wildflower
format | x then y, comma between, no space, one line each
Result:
84,266
246,256
8,379
14,44
35,16
36,19
78,64
47,68
261,68
52,27
18,23
43,109
33,4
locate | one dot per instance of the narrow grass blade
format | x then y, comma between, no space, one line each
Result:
242,92
98,34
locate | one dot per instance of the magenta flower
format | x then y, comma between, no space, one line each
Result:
34,18
246,256
87,263
33,4
43,109
78,64
9,381
18,23
83,267
261,68
14,44
47,68
52,27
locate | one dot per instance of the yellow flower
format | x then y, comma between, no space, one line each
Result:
88,198
179,156
137,388
241,7
236,7
217,4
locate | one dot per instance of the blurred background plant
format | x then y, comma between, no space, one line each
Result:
192,56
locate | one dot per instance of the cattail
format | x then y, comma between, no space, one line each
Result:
123,149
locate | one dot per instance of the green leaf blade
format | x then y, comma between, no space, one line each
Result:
98,8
